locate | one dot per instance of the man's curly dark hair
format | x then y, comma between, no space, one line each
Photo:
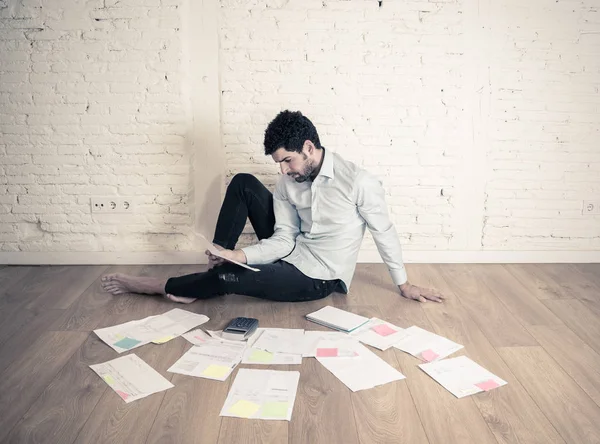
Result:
290,129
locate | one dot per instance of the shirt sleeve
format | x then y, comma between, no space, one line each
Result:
287,228
373,209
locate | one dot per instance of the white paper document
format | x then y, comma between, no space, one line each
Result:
207,245
161,328
131,378
461,376
378,333
355,365
259,356
313,337
337,319
213,360
262,394
425,345
281,340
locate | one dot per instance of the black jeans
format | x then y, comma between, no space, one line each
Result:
245,198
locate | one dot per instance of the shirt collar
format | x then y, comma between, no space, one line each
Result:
327,165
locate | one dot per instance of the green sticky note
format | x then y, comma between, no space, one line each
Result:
244,409
261,356
275,410
127,343
216,371
109,379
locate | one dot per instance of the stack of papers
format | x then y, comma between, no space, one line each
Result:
355,365
131,378
159,329
312,339
276,346
262,394
461,376
379,334
211,360
337,319
425,345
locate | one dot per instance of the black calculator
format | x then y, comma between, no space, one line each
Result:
240,329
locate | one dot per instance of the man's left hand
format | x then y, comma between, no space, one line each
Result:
415,293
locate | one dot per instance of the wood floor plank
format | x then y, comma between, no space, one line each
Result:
31,325
590,271
582,319
524,306
70,282
66,404
112,420
446,420
566,405
510,413
570,280
386,413
12,275
575,357
23,381
493,318
532,277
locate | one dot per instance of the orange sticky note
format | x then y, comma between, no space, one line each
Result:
487,385
429,355
383,330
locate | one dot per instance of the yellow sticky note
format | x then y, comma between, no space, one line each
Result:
275,409
163,340
261,356
109,379
216,371
244,409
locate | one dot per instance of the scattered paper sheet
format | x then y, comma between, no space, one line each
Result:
281,340
337,319
461,376
425,345
312,339
161,328
262,394
131,378
378,333
213,360
218,334
259,356
355,365
207,245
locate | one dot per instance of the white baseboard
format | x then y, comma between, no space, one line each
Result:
181,257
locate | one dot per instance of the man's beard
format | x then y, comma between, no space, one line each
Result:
307,171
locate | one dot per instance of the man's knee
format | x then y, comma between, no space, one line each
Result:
243,180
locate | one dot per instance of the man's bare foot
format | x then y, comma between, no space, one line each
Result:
180,299
118,283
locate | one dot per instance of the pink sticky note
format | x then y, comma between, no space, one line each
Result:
429,355
487,385
383,330
122,394
327,352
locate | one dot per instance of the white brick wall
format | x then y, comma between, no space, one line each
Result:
90,105
481,118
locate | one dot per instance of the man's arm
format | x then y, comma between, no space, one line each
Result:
373,209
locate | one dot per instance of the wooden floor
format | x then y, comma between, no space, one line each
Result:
535,326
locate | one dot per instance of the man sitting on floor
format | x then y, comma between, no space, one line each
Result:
310,229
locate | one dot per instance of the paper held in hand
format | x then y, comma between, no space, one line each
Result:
206,245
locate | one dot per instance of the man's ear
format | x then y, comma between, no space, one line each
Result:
308,147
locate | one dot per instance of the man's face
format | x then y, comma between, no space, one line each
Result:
297,165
